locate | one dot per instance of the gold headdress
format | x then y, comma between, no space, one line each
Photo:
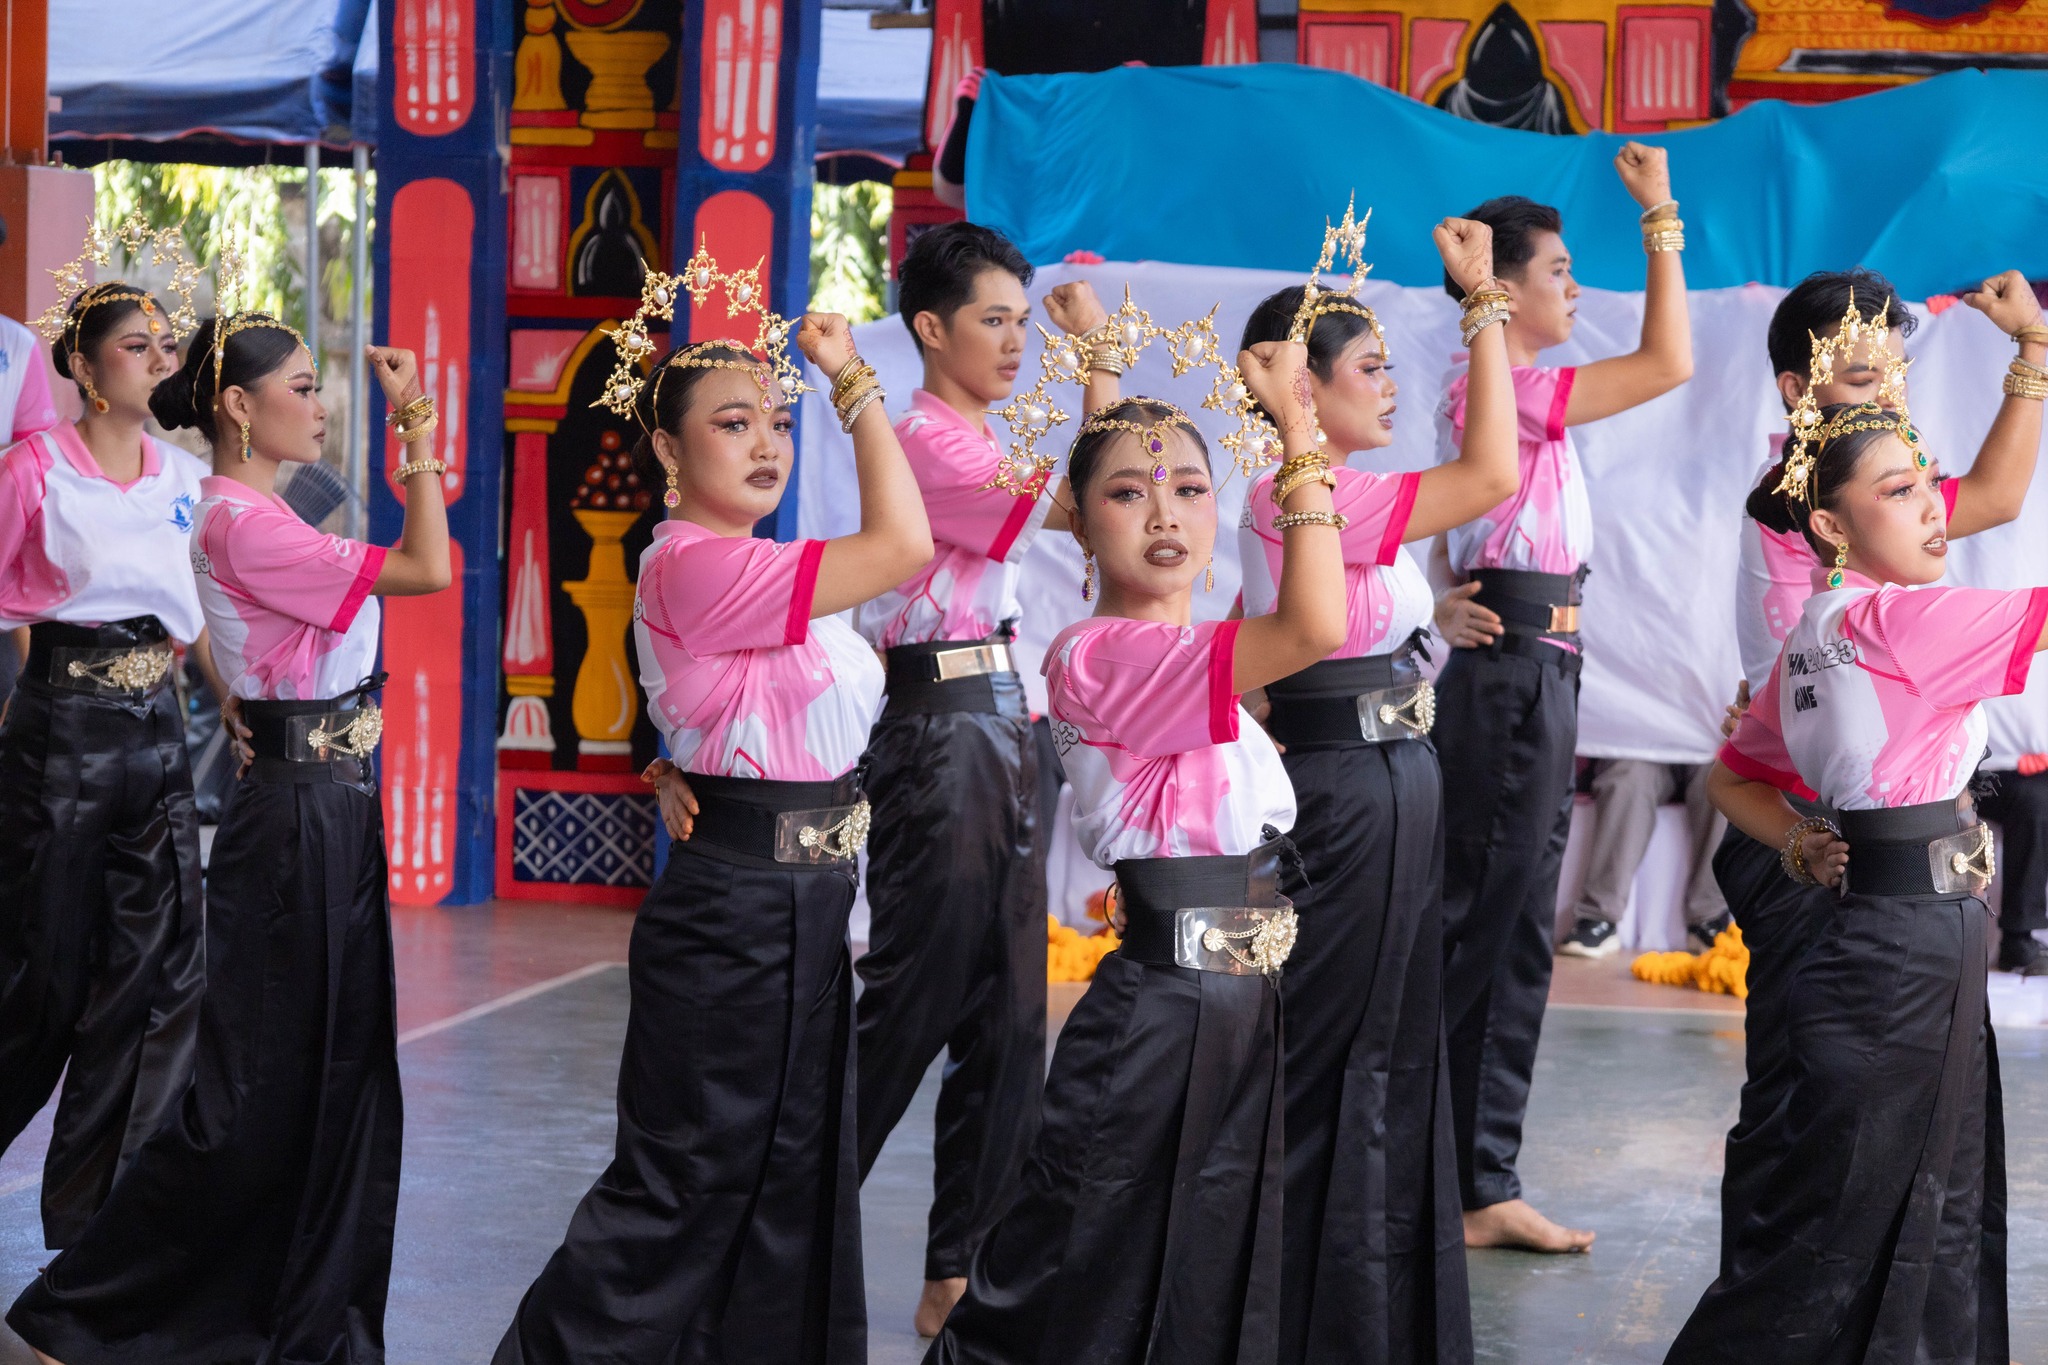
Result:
230,283
1803,447
1151,435
164,246
1348,239
769,363
1129,331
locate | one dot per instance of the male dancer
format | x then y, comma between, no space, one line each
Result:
956,863
1507,703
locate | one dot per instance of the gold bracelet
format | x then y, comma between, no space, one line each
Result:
418,431
1792,857
1104,358
412,467
1479,320
1314,459
2022,365
2033,331
1655,242
1284,487
850,374
2025,386
1289,520
852,411
1656,213
411,412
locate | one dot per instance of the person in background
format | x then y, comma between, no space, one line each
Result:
2016,798
1626,795
26,399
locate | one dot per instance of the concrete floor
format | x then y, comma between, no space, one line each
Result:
511,1019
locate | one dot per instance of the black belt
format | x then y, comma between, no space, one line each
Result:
123,659
1379,698
1933,849
1217,914
1537,647
956,675
1532,603
786,825
325,739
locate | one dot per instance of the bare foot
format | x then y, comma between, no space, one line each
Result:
936,1302
1513,1223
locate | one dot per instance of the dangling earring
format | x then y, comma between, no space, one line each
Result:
1087,576
99,404
245,442
1841,563
1209,578
672,497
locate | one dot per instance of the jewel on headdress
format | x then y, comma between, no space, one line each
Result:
1345,240
1151,435
1802,449
139,242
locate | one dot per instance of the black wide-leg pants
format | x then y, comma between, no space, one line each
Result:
2019,805
102,956
256,1224
1506,728
1373,1260
1880,1236
956,955
727,1227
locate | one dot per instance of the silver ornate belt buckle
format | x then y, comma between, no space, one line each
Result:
1963,863
1235,940
829,834
106,670
331,735
1406,712
972,661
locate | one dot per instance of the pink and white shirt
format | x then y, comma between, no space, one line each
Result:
1774,577
77,547
26,404
1386,595
1546,526
1875,701
1163,760
979,535
739,677
288,606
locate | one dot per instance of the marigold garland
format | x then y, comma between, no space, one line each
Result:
1722,969
1071,955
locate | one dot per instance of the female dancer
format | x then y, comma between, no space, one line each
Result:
728,1224
100,950
255,1223
1780,918
1881,1234
1148,1222
1373,1260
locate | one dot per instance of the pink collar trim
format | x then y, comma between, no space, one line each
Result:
81,458
939,410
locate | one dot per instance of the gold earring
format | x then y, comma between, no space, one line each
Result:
671,498
1841,563
245,442
1209,578
99,404
1087,576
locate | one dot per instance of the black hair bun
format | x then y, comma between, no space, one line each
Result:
60,355
1769,508
174,403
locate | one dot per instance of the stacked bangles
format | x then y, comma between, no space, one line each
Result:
853,390
415,421
1484,306
1792,857
2025,379
1663,229
1299,472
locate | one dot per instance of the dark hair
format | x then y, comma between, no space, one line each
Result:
253,353
665,397
1515,221
1832,470
1327,340
1088,447
1818,302
941,266
91,319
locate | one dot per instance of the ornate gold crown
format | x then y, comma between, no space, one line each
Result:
1129,331
230,283
165,246
1802,449
1348,239
771,367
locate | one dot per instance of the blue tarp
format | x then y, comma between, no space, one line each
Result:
1931,183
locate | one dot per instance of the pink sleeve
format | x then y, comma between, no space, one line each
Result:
1790,562
1541,393
1950,487
1951,646
1154,689
953,469
21,500
1756,751
34,410
290,568
729,593
1376,509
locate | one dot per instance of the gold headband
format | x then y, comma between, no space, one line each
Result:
1348,239
770,365
76,296
1802,449
1151,435
1129,331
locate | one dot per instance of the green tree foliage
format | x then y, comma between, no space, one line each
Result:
850,249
